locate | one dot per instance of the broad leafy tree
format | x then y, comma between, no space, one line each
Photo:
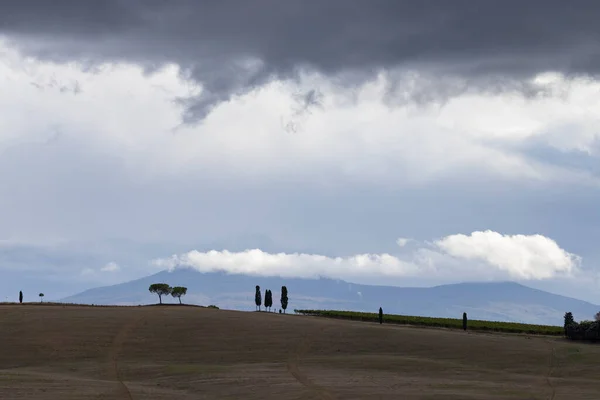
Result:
284,298
41,297
258,297
178,291
161,289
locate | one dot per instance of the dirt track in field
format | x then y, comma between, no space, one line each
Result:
124,353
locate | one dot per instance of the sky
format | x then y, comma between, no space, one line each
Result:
384,142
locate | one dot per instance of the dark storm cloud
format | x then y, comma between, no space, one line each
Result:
479,41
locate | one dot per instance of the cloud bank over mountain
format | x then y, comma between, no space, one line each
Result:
482,255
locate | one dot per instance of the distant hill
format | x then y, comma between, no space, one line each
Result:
499,301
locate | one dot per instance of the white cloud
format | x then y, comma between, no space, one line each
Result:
521,256
87,272
360,140
91,272
488,255
401,242
258,262
110,267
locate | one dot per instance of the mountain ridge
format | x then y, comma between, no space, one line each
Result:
500,301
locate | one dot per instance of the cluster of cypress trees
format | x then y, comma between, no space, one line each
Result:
268,303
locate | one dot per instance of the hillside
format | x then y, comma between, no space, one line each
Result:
156,353
501,301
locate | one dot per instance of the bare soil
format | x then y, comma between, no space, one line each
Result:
124,353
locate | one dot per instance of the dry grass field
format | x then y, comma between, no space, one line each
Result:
56,352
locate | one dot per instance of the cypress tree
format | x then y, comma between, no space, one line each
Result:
568,320
284,298
267,299
258,297
380,316
20,297
465,321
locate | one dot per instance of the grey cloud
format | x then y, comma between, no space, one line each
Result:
70,88
305,102
231,46
574,159
539,148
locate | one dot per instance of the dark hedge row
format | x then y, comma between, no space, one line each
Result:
455,323
584,330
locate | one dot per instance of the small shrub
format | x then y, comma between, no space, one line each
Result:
213,306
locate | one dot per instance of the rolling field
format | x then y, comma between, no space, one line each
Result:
55,352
